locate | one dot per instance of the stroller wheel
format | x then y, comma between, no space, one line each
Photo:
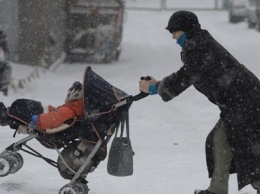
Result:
5,166
77,188
15,161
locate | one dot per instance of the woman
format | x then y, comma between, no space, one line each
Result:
233,144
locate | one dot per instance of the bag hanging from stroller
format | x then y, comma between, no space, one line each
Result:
120,159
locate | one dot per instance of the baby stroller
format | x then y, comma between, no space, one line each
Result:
83,144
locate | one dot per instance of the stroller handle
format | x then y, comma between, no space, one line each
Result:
139,96
131,99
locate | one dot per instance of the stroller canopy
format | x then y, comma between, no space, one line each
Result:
99,95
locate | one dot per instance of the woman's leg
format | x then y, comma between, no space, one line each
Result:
222,159
256,185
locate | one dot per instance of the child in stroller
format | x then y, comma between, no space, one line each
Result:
81,128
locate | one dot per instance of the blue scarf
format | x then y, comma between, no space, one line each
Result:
181,39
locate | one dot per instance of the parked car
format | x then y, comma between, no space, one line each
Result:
5,68
94,30
253,13
237,10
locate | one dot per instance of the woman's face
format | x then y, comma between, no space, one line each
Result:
177,34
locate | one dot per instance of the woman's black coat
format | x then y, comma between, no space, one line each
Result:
213,71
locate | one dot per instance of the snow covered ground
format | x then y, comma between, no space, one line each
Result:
168,138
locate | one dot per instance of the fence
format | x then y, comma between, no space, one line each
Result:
176,4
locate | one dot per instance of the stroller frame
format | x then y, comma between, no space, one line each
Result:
114,102
17,146
15,161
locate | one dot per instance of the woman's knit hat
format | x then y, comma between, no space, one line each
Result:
183,21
